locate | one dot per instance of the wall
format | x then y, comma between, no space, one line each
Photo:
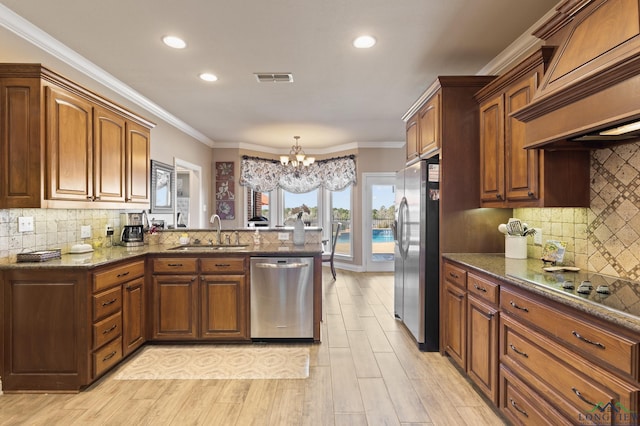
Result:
604,238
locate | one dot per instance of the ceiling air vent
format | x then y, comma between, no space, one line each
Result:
271,77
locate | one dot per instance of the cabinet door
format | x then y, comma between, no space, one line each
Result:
482,346
412,138
455,327
19,143
69,141
133,315
521,165
175,307
429,126
492,152
138,161
108,156
224,306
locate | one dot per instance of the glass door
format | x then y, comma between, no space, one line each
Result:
378,215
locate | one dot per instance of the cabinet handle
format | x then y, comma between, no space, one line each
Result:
530,194
591,342
128,199
174,264
520,410
579,395
223,265
89,197
110,302
109,356
513,348
454,275
122,275
515,305
113,327
477,287
96,198
499,196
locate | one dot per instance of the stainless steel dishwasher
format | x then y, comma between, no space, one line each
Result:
282,298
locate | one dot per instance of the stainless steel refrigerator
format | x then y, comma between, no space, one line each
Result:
416,251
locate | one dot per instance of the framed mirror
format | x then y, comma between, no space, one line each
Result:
162,187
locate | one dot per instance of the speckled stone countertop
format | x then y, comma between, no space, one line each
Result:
104,256
621,307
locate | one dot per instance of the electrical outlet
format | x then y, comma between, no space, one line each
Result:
109,230
25,224
283,236
537,237
85,231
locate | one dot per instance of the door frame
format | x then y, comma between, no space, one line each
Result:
370,179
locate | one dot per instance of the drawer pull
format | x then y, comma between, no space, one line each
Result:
515,305
513,348
520,410
111,355
579,395
598,344
123,274
454,275
174,264
477,287
109,330
110,302
223,265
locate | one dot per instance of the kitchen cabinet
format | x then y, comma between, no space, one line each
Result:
63,327
133,315
510,175
206,301
412,149
429,126
67,146
453,314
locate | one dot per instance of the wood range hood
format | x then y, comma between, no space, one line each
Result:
592,85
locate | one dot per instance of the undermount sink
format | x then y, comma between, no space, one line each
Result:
200,247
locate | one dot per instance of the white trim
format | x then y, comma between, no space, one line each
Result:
328,150
42,40
369,179
197,170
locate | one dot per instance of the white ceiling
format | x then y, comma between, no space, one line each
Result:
339,95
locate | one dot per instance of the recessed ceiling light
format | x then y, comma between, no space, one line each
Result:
207,76
364,42
175,42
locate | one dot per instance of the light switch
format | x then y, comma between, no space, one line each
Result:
85,231
25,224
537,237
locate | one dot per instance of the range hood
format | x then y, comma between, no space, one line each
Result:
590,95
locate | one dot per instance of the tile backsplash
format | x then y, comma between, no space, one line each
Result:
606,236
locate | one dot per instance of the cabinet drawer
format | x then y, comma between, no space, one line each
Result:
107,357
576,386
522,405
106,330
483,288
603,346
118,275
455,275
223,265
107,303
177,265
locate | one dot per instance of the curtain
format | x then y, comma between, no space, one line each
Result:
263,175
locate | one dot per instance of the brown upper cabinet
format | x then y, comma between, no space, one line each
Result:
423,129
510,175
66,146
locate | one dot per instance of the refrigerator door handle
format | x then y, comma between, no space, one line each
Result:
403,241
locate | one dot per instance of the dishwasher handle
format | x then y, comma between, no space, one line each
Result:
281,265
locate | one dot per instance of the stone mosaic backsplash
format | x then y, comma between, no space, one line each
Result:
604,238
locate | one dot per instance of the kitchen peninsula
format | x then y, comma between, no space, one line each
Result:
68,321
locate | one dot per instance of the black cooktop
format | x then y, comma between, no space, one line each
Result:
613,292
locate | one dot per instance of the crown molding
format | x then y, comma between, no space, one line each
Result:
321,151
34,35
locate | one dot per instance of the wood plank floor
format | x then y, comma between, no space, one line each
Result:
366,371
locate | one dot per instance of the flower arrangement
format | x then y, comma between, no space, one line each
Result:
303,212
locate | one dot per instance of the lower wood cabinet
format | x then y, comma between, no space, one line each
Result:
133,315
455,324
200,298
482,346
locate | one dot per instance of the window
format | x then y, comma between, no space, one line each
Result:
257,205
293,202
340,211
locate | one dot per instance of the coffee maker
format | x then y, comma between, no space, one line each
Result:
132,229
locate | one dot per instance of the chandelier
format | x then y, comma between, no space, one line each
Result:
296,158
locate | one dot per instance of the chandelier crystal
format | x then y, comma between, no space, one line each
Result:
296,158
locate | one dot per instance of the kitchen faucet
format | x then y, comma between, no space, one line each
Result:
219,230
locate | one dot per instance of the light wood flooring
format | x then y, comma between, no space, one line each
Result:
366,371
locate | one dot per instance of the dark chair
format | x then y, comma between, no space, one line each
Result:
328,257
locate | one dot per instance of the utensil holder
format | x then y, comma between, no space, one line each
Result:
515,247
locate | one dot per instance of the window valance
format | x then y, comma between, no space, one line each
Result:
264,175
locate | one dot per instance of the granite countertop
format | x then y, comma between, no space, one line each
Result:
104,256
622,305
